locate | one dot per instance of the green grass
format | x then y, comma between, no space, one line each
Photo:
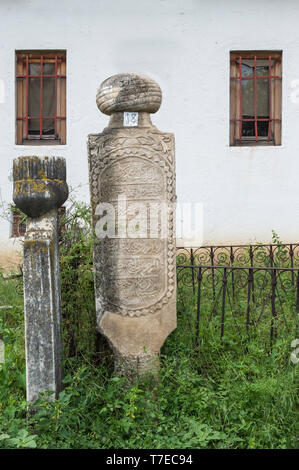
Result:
229,393
224,395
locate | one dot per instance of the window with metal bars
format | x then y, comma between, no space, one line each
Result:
255,98
41,97
18,222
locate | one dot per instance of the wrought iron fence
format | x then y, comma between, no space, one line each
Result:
260,295
278,255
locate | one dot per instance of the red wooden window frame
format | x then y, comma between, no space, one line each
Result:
18,222
24,59
274,78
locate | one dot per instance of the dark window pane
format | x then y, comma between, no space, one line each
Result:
248,128
48,127
34,69
34,97
262,128
48,97
33,127
49,69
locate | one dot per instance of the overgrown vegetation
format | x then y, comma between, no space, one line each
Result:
224,394
78,306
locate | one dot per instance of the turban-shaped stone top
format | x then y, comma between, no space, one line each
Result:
39,184
129,92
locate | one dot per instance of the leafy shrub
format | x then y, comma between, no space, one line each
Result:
78,304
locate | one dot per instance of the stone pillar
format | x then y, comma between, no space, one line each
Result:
132,177
39,190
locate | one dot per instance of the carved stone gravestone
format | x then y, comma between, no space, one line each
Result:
132,183
39,190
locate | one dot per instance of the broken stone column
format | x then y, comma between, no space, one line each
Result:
40,188
132,180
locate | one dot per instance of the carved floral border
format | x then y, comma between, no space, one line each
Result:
154,146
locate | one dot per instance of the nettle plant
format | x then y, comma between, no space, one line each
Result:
77,283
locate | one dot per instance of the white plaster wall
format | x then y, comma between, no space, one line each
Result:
184,45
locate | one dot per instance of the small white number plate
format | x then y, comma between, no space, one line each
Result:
130,119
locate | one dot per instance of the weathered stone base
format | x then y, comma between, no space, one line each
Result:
136,341
136,366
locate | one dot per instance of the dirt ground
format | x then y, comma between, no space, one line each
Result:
10,260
